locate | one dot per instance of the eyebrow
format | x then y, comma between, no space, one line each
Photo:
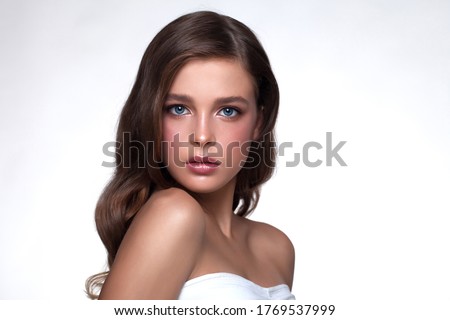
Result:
223,100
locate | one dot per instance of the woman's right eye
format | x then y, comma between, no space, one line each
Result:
178,110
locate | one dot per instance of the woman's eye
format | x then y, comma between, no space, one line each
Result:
178,110
229,112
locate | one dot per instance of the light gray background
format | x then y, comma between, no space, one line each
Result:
371,238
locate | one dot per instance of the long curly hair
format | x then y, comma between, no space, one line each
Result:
139,165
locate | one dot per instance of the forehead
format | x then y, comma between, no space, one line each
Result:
213,77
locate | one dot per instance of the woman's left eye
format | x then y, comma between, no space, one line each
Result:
229,112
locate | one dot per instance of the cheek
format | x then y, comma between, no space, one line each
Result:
172,134
174,130
176,146
241,135
169,135
237,144
168,131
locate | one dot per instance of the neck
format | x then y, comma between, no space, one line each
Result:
219,206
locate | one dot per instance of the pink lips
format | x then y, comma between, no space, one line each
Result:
202,165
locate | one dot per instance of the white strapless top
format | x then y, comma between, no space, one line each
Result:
229,286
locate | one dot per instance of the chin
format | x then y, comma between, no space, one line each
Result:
202,188
205,184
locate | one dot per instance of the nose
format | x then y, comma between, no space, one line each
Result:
203,132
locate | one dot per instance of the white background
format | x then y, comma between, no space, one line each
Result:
371,238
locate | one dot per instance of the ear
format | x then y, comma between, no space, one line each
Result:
259,123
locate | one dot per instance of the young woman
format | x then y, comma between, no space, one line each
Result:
194,144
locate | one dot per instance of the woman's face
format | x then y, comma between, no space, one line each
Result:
209,120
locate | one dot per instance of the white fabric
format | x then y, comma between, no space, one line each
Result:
229,286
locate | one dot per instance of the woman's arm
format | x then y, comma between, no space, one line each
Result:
159,250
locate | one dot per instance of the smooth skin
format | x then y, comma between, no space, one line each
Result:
176,237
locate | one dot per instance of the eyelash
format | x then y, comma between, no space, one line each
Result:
236,112
171,109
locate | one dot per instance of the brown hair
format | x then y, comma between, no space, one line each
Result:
196,35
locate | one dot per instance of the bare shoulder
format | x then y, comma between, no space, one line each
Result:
276,246
272,237
172,208
159,250
173,203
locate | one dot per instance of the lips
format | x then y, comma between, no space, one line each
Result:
203,160
203,165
